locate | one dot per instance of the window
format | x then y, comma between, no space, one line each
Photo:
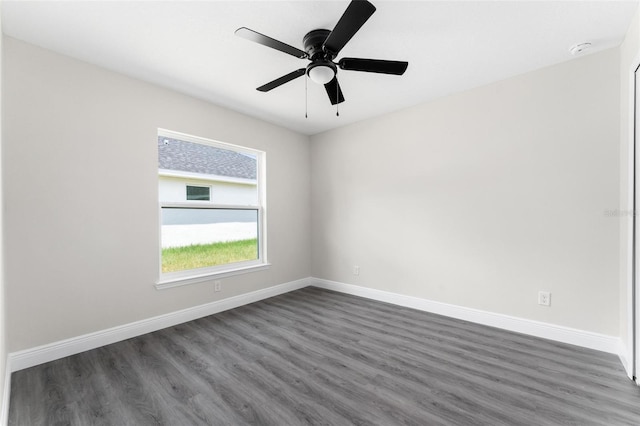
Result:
198,193
201,236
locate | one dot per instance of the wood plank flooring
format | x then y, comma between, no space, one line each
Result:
318,357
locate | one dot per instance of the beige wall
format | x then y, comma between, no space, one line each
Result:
629,57
483,198
81,183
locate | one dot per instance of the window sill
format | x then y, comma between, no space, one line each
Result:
166,283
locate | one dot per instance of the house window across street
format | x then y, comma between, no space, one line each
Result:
202,238
198,193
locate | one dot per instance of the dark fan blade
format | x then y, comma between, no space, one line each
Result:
373,65
334,92
282,80
357,13
270,42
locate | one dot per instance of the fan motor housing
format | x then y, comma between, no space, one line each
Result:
313,42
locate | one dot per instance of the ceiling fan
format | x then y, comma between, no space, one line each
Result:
322,47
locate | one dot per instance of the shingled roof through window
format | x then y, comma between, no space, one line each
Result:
174,154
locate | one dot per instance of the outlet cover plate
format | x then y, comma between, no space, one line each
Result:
544,298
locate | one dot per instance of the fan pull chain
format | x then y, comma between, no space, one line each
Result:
306,100
337,98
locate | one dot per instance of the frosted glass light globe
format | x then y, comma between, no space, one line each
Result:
321,74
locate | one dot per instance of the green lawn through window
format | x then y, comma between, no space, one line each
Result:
205,255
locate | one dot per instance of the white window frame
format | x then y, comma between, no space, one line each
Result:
186,192
191,276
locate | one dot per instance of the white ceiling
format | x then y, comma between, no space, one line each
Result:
190,46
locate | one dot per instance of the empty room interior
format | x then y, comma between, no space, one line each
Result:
319,212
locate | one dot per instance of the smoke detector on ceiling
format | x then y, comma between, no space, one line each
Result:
578,49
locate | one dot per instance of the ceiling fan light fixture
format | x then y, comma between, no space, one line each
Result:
321,47
321,73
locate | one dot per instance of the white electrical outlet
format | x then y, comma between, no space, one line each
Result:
217,286
356,270
544,298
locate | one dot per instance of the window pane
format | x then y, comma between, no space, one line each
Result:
199,193
233,175
200,238
214,238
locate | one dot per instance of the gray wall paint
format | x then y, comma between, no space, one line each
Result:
479,199
81,183
629,55
4,399
483,198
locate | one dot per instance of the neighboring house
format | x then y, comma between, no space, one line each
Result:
195,172
198,174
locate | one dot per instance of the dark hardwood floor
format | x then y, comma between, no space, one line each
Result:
318,357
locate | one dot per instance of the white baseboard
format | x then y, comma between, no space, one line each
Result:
41,354
4,410
52,351
558,333
623,354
